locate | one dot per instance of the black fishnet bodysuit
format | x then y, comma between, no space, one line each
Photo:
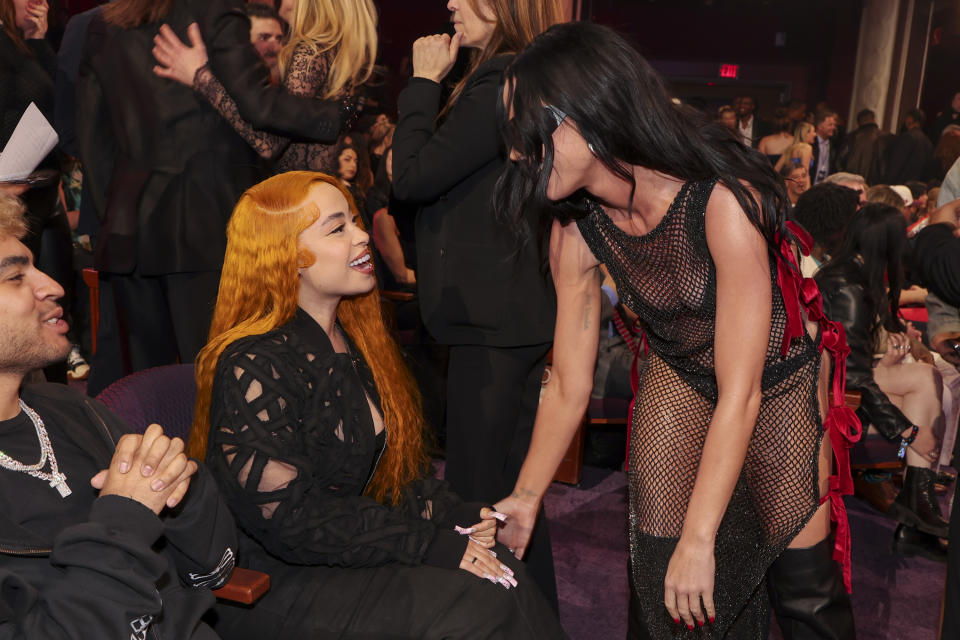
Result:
306,76
667,277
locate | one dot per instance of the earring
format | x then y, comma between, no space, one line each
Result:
590,147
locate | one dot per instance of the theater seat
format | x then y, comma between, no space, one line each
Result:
166,395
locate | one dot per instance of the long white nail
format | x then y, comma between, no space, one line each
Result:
502,517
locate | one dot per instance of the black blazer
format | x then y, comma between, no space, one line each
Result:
472,287
164,169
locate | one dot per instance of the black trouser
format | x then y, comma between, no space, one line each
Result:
148,321
492,398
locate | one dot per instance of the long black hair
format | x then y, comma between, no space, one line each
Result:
876,238
624,112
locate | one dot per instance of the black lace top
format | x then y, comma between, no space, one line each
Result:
293,445
306,76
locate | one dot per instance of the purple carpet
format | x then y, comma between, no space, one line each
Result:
894,598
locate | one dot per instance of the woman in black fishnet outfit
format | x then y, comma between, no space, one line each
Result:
726,463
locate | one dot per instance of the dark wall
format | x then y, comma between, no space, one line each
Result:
688,40
941,78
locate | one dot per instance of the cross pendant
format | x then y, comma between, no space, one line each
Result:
59,482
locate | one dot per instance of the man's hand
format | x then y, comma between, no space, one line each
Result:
178,61
151,469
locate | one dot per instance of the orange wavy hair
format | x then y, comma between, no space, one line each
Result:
258,293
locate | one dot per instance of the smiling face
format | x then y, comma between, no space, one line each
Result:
477,28
342,264
32,329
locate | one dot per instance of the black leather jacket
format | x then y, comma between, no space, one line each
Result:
844,287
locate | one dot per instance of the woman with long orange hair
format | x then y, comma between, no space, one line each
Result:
312,427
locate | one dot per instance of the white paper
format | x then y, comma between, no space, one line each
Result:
30,143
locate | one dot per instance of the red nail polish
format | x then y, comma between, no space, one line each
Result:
711,620
690,627
676,621
700,622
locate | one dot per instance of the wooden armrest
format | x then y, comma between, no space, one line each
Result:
245,586
91,277
397,296
851,399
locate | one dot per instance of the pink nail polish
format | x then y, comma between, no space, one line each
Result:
464,532
502,517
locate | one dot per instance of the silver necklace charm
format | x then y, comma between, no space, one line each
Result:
56,479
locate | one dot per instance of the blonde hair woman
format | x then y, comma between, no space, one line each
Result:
800,152
330,52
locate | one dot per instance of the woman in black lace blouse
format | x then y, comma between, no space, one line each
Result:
311,425
728,464
331,50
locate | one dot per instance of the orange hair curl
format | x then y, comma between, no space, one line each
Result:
258,293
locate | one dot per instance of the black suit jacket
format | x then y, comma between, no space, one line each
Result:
164,169
908,157
471,286
816,158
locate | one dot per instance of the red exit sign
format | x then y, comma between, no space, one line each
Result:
729,70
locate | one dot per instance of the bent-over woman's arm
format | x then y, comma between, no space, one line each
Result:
577,278
740,345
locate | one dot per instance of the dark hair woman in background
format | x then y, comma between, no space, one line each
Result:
726,428
494,309
861,288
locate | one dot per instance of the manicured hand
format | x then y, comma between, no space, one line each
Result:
898,346
688,587
483,563
434,56
178,61
484,532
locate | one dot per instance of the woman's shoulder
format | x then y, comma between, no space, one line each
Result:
272,344
492,69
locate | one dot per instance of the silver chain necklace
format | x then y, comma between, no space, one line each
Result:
56,479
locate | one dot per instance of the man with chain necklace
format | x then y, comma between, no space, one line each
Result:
103,533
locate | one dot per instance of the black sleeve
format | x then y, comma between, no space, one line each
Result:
96,144
429,161
937,253
234,61
262,426
107,587
201,534
844,304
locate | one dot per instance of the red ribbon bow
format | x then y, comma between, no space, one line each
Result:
841,423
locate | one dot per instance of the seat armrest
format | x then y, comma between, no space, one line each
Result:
245,586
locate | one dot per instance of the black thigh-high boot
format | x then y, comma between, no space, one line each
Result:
808,596
916,506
